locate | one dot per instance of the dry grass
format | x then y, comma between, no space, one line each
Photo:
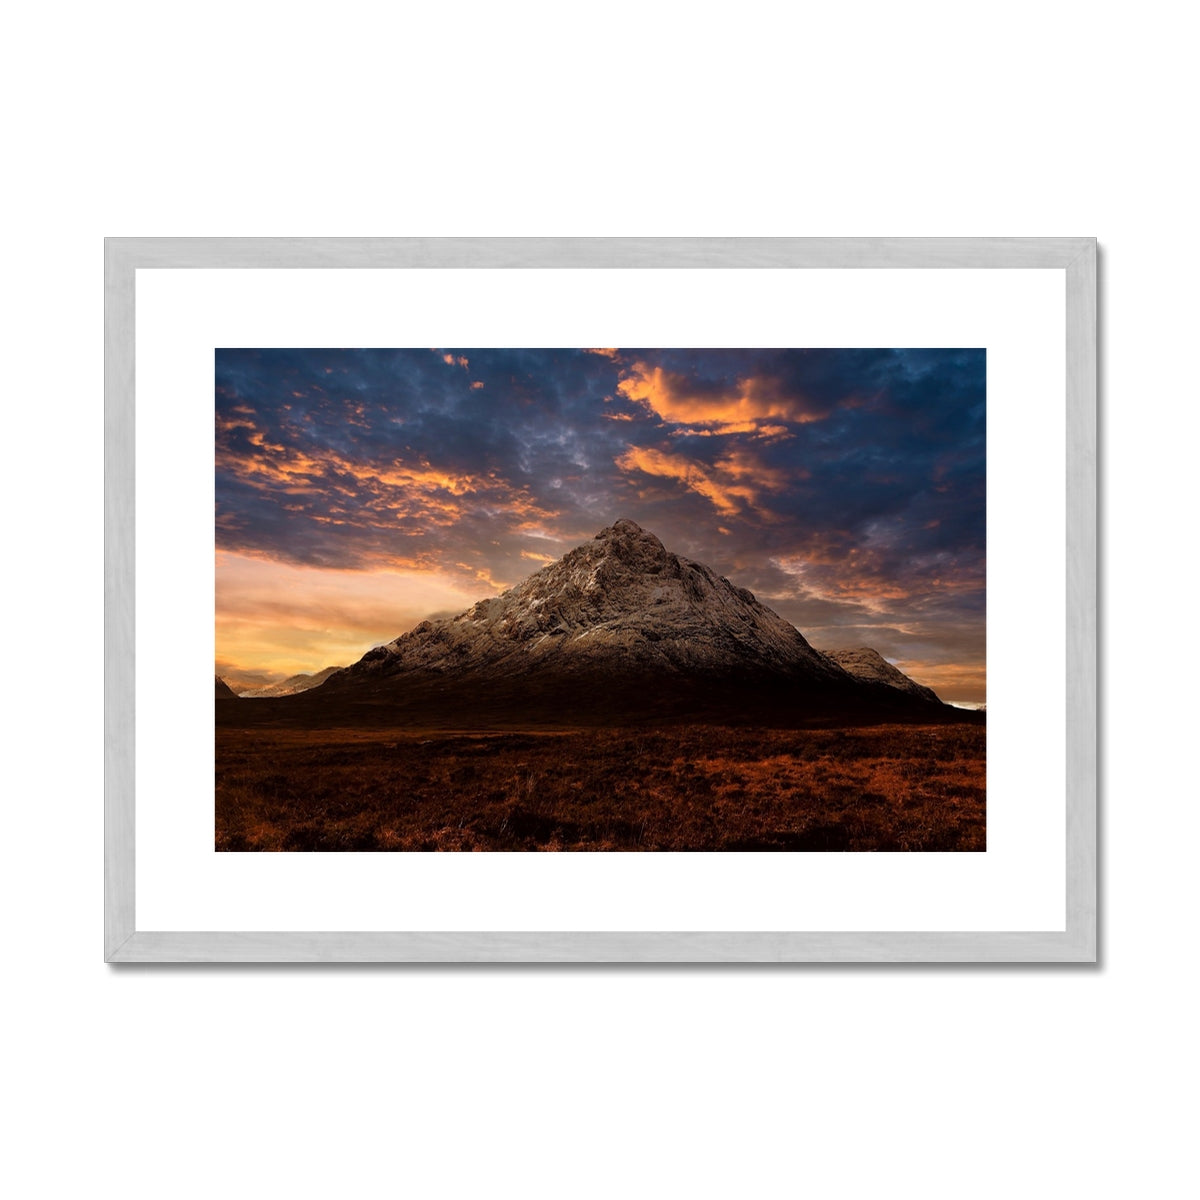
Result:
691,788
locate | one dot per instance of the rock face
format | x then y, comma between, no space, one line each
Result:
869,665
619,603
290,686
224,691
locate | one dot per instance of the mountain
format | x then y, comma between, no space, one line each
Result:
619,629
621,601
224,691
242,681
290,686
867,664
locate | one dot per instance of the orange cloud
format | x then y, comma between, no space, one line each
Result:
678,399
229,424
743,463
259,440
759,431
821,574
732,484
279,466
477,385
483,575
725,499
382,493
604,353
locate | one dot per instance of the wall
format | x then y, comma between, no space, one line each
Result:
519,119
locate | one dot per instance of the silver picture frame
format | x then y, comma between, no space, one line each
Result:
1076,258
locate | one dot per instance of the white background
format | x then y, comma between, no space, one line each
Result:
632,118
1017,884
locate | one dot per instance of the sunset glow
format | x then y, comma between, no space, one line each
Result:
362,491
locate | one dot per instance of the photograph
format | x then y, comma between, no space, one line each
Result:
600,599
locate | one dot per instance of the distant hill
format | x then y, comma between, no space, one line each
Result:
290,686
867,664
224,691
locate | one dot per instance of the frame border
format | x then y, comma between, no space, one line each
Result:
124,943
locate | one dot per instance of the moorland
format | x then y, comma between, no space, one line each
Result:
687,787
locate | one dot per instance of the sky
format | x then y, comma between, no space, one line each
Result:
359,492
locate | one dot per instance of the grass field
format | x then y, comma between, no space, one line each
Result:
889,788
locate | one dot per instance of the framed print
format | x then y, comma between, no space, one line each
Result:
753,578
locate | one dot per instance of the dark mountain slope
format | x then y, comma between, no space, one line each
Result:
869,665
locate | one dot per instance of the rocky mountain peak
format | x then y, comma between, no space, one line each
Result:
620,602
630,543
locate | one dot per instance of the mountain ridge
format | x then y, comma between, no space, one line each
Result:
865,663
620,629
620,601
290,686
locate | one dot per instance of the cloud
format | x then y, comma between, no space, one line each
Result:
726,498
732,483
743,463
845,583
754,427
717,405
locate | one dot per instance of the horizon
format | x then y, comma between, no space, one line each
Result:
359,492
